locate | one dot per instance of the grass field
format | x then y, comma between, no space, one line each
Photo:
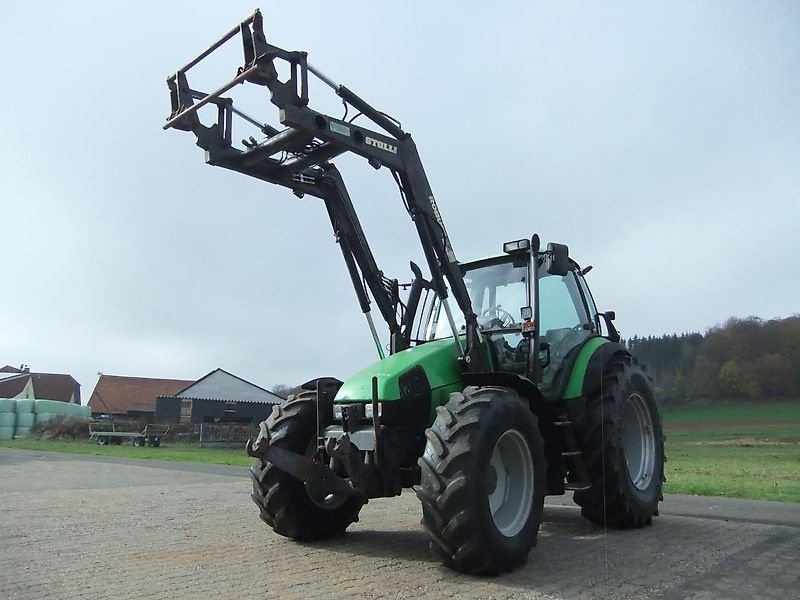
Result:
734,450
744,411
731,450
179,452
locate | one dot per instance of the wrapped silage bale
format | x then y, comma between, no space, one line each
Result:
8,405
41,407
45,417
6,433
25,405
53,407
7,419
24,420
86,411
21,432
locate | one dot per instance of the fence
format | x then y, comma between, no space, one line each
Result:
225,435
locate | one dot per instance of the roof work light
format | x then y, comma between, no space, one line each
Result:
517,246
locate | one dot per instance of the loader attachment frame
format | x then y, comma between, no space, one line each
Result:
299,157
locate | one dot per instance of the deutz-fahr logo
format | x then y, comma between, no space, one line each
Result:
379,144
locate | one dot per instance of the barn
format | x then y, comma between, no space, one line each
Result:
217,397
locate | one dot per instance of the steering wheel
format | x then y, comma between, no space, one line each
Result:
506,318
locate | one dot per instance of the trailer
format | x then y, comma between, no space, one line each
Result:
106,434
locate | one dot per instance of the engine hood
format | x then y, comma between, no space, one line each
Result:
437,358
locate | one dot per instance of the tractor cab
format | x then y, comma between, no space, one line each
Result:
528,299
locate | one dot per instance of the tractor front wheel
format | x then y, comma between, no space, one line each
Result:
283,501
482,485
623,443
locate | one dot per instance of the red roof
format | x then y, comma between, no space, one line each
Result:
47,386
56,386
11,386
115,394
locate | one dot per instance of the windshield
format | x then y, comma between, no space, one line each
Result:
497,292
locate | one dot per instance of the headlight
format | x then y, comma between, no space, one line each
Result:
362,410
368,410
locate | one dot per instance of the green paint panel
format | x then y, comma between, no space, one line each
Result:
438,358
575,385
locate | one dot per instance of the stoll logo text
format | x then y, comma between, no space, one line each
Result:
379,144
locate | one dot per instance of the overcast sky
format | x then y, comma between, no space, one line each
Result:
660,141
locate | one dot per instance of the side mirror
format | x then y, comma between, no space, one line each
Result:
557,259
609,317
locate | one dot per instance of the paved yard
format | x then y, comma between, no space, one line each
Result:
84,527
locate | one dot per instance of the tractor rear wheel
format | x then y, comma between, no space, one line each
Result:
482,485
284,503
623,443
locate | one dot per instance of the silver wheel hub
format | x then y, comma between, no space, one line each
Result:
510,478
639,442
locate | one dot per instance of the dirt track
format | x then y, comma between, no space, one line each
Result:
84,527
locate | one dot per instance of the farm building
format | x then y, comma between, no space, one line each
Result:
133,397
21,383
217,397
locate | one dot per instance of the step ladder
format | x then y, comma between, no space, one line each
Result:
573,455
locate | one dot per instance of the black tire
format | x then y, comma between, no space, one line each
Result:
138,442
282,500
460,481
623,442
102,440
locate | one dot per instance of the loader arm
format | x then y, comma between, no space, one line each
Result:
300,156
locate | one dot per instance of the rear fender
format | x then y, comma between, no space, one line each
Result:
589,366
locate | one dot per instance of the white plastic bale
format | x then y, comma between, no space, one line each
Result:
8,405
6,433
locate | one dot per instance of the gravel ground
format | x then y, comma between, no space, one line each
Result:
87,527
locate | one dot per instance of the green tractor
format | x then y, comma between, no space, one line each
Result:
522,391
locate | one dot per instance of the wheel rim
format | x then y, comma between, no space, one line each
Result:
510,483
639,441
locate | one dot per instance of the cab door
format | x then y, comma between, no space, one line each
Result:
564,325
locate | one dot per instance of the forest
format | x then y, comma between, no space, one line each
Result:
750,359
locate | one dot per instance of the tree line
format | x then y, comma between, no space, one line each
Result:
741,359
744,358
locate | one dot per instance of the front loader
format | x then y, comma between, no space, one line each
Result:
521,390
